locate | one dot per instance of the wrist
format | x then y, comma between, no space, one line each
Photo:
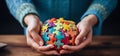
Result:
30,18
91,19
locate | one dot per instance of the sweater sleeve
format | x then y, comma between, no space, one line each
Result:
101,9
20,8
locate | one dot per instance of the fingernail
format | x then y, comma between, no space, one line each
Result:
64,47
40,43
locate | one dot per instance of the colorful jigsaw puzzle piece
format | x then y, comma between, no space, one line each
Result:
59,36
61,20
52,37
58,26
66,27
45,37
44,28
51,24
52,20
51,30
58,43
65,40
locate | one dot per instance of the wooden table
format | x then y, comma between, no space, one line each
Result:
101,46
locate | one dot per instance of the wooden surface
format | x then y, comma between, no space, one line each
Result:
101,46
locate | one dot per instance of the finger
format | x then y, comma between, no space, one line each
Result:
37,38
80,36
65,52
87,40
45,48
78,39
70,48
80,46
40,48
52,52
32,43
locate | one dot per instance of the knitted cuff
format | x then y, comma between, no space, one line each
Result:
23,10
100,12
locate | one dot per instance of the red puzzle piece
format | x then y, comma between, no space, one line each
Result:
66,39
52,20
52,38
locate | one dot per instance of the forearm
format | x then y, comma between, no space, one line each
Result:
20,8
101,9
91,19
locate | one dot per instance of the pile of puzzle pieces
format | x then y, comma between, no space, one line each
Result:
59,32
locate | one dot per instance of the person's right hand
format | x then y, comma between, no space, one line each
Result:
33,37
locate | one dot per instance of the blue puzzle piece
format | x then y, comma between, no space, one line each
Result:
45,37
59,36
51,30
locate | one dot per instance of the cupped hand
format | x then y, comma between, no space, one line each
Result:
84,37
33,35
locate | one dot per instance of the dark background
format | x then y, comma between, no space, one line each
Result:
8,25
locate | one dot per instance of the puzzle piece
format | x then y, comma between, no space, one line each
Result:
45,37
66,27
52,20
58,50
66,22
55,32
50,42
72,33
58,43
52,38
65,40
72,41
44,28
51,24
58,26
51,30
61,20
61,30
59,36
72,26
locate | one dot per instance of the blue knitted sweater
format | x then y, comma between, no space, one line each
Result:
69,9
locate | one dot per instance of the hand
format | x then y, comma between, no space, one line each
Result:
33,37
84,37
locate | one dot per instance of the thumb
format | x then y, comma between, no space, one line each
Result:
80,37
37,38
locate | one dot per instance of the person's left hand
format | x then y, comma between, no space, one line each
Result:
84,37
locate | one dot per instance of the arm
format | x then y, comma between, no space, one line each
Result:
24,11
20,8
93,18
101,9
